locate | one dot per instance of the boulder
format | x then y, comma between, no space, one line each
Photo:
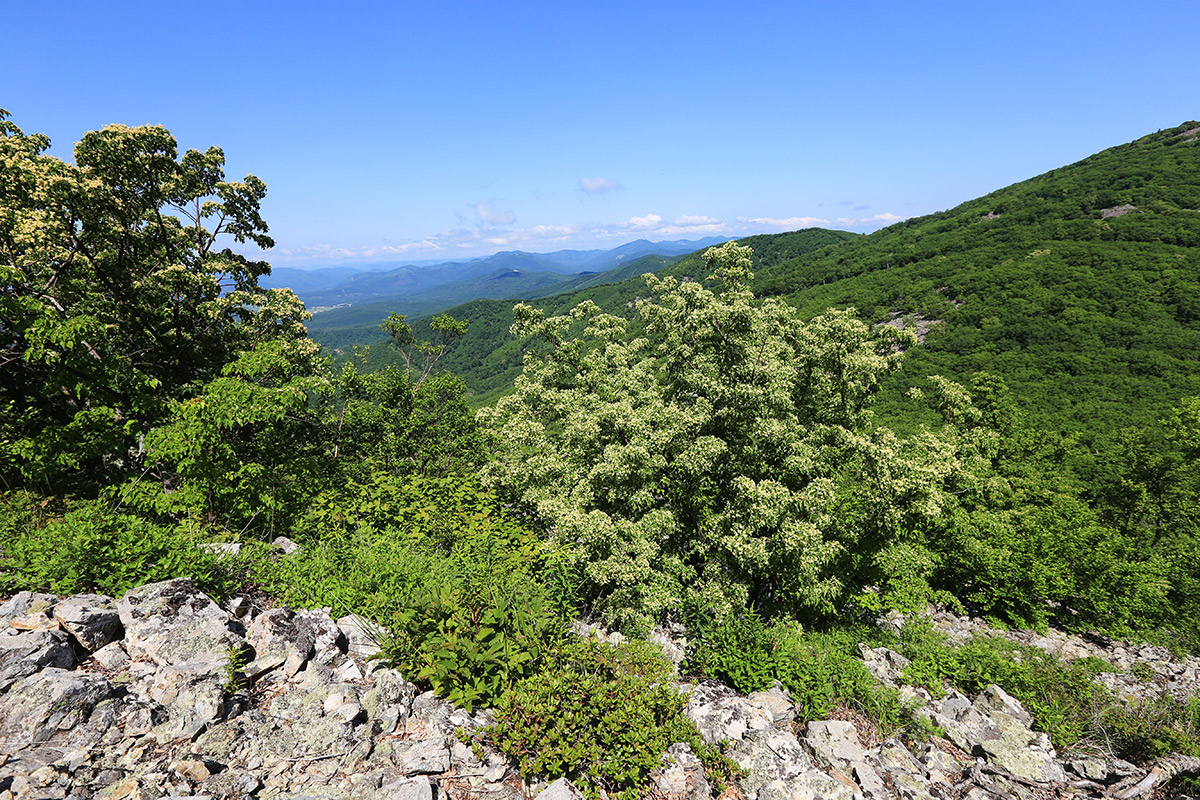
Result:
681,777
40,706
91,618
24,653
561,789
721,713
173,622
778,768
297,636
193,696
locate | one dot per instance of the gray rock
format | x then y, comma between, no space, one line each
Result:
561,789
222,549
234,784
53,700
836,743
994,699
112,656
173,622
776,702
298,636
682,776
286,545
886,666
28,611
23,654
779,768
91,618
674,645
407,789
362,636
423,756
721,713
193,696
1091,768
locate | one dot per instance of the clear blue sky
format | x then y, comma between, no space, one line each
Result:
404,131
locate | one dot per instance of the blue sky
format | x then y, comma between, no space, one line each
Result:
406,131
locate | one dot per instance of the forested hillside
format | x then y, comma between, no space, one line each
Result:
488,357
1077,288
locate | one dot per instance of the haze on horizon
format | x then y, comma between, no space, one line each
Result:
414,132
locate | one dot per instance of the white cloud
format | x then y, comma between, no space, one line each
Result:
488,214
695,219
648,221
469,239
786,224
599,185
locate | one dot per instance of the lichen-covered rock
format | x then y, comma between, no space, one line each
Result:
681,777
779,768
91,618
835,742
53,700
561,789
28,611
297,636
173,622
721,713
422,756
193,696
775,701
26,652
362,636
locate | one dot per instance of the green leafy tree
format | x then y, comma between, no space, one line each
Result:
117,294
698,459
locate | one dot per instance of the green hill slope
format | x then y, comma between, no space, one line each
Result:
488,358
1080,287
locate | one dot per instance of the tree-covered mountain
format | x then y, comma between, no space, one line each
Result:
400,283
350,306
1079,288
488,358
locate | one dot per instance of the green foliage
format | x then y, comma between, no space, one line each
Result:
1063,698
245,451
695,461
115,296
96,549
441,566
393,421
1142,731
602,716
821,671
470,653
739,651
231,669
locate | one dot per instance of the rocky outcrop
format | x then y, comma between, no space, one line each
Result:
164,694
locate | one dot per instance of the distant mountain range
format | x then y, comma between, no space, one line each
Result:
420,287
349,303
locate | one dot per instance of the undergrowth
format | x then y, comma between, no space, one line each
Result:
602,716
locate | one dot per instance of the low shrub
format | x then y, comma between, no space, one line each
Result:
94,549
443,568
601,716
1062,696
819,670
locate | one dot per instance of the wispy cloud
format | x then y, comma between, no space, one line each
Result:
785,224
488,214
490,233
599,185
